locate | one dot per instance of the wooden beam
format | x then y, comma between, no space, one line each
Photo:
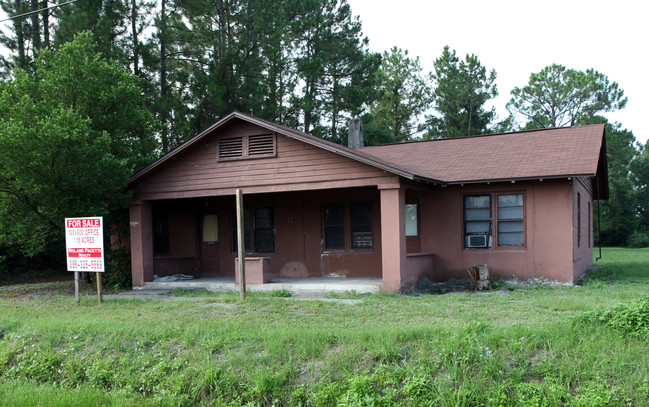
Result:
241,246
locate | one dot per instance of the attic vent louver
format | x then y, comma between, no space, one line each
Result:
231,148
262,144
247,147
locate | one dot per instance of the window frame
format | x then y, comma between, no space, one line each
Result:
494,234
161,235
353,226
334,225
578,220
465,222
265,151
251,231
347,226
510,220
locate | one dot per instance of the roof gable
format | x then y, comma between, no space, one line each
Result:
355,154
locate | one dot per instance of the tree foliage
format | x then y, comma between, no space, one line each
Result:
461,89
405,95
557,96
70,137
640,181
618,214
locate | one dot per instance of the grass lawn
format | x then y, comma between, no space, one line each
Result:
539,346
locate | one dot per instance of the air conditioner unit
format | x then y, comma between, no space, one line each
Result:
477,241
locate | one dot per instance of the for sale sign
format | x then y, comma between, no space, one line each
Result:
84,243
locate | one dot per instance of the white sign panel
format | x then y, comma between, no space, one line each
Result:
84,244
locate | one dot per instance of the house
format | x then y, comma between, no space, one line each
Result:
520,202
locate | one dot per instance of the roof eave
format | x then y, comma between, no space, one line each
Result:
520,179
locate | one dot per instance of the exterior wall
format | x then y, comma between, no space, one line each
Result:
582,229
418,265
141,240
548,223
297,166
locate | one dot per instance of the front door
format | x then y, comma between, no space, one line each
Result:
209,245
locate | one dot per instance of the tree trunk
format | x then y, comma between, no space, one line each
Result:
164,115
46,25
470,113
18,25
36,36
136,45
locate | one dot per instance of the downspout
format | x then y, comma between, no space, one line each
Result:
599,223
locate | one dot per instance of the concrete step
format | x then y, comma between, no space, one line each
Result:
294,285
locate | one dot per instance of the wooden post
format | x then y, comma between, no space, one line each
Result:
76,287
99,298
241,246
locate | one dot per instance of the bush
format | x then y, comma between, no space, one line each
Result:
631,319
638,240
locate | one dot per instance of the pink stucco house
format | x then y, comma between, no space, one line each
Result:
520,202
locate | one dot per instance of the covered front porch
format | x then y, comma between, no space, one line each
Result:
336,240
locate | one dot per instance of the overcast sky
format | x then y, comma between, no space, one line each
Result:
518,37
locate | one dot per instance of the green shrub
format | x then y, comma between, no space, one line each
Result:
631,319
280,293
638,240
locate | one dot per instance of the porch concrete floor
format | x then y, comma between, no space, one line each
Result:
294,285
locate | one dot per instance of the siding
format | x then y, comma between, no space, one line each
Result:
297,166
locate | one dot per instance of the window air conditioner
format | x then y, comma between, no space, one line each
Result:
477,241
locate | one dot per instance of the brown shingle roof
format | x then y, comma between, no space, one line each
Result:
548,153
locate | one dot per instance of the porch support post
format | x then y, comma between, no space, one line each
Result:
141,242
393,236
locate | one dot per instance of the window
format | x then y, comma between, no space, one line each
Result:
510,220
334,226
353,220
258,223
411,220
478,225
589,222
264,230
360,218
578,219
210,229
160,234
477,221
253,146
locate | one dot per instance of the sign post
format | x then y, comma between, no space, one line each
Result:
84,244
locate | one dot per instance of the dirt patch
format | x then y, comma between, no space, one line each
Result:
45,289
30,278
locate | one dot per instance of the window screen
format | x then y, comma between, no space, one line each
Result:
510,220
360,216
477,221
334,226
160,234
264,230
